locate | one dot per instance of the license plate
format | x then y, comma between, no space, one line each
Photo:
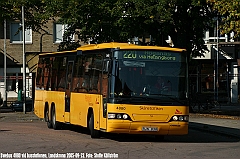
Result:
149,129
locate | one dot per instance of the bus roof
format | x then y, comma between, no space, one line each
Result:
113,45
60,52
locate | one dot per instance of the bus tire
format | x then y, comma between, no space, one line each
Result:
94,133
47,119
55,124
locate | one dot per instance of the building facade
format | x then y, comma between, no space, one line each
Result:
216,75
34,42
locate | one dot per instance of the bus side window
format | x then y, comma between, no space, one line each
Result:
86,74
94,75
53,79
69,76
76,74
46,73
62,75
82,87
62,81
85,82
75,84
78,85
80,76
39,74
50,74
55,73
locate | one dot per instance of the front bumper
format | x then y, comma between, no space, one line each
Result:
129,127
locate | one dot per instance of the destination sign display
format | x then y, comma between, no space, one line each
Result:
150,55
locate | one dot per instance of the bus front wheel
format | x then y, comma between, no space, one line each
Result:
55,124
94,133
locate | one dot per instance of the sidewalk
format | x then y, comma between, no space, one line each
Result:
223,109
7,115
224,120
229,127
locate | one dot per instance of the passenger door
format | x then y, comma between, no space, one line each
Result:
103,106
68,90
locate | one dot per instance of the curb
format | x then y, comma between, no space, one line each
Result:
19,116
212,115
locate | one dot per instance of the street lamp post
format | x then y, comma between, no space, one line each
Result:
217,85
216,60
5,63
24,64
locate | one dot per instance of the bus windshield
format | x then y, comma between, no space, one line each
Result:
156,75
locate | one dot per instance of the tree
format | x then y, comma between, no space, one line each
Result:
36,12
229,11
6,9
120,20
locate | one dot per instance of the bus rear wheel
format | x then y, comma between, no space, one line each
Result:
94,133
55,124
49,122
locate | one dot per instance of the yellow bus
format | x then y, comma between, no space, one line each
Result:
114,88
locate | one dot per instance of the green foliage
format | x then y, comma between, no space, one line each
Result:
229,10
37,12
121,20
6,10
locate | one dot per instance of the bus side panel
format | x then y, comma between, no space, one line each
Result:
78,109
39,104
80,103
58,98
96,100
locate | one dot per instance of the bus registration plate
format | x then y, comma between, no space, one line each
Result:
149,128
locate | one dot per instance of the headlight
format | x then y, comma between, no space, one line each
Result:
111,116
125,116
121,116
186,118
180,118
175,118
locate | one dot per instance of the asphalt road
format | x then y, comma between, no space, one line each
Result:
25,136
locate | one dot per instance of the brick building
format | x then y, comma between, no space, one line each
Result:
34,42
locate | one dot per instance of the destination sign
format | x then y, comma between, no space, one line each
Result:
150,55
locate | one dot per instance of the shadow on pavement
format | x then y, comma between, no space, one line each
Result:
5,130
226,131
198,133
